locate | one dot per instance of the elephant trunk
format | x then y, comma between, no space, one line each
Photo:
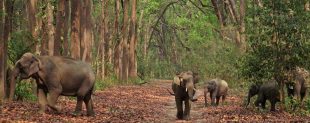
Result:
14,74
191,92
248,100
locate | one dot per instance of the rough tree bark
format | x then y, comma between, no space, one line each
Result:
66,29
87,31
124,43
116,39
33,22
50,29
2,60
75,28
60,24
133,41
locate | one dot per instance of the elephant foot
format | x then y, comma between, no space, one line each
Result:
186,117
76,113
90,113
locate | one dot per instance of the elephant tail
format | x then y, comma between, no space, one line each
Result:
170,92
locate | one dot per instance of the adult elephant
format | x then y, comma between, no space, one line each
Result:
56,76
184,90
298,88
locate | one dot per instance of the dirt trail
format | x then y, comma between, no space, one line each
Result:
149,102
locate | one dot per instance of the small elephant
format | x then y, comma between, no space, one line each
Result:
253,90
56,76
218,88
268,91
184,91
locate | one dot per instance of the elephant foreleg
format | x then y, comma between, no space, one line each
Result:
179,104
52,99
42,100
218,100
206,102
187,110
89,104
213,98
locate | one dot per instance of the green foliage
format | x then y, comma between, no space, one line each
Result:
24,91
101,84
190,43
278,38
20,43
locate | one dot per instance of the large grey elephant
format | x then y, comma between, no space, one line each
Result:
218,88
55,76
300,84
184,90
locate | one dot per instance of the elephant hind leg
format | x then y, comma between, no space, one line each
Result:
78,107
89,104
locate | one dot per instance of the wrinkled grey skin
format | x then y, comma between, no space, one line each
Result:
56,76
184,92
253,90
218,88
268,91
298,89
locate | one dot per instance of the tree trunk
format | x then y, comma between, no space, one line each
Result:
2,54
66,27
218,15
242,24
87,31
9,8
75,28
50,28
133,40
103,37
33,22
124,55
60,21
116,39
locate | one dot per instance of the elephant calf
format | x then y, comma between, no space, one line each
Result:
55,76
268,91
218,88
184,90
253,90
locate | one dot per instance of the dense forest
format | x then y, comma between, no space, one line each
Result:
134,44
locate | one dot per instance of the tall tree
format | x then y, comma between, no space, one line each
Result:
86,38
2,53
75,28
33,22
124,43
60,27
117,48
133,41
50,29
66,29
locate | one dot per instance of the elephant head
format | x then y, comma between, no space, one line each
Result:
210,86
25,67
254,89
186,80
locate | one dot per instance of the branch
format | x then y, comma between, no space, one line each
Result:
178,38
160,16
198,7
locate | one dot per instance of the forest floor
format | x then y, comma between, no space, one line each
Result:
144,103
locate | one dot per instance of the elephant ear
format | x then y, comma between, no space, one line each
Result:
34,66
177,80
